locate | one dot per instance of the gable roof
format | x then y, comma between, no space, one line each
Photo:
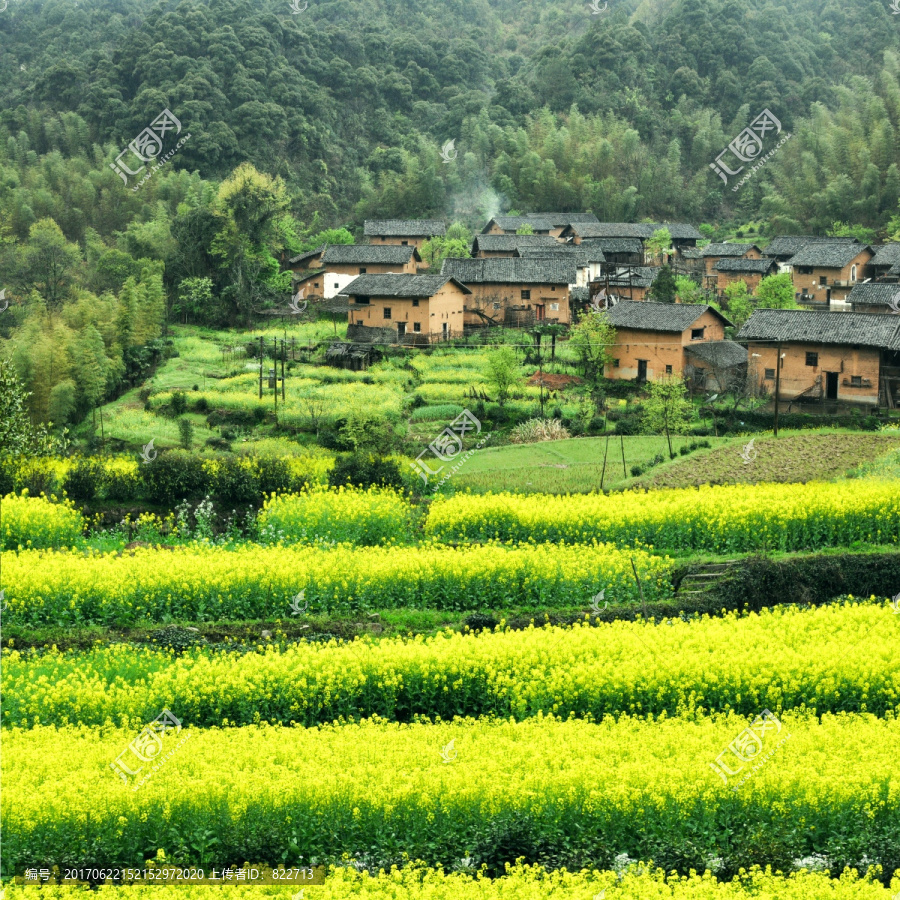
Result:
640,276
300,277
680,231
508,243
513,223
400,285
644,315
403,227
721,354
303,257
726,249
353,254
813,327
829,256
615,245
886,255
560,220
582,254
753,266
512,270
789,244
873,293
691,253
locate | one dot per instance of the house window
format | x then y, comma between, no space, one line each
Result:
415,302
404,243
315,284
697,334
853,273
362,301
552,287
554,306
812,359
336,286
823,280
387,312
770,374
526,294
496,305
668,370
856,381
362,270
615,363
417,326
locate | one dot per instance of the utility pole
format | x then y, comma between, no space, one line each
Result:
261,360
283,352
777,383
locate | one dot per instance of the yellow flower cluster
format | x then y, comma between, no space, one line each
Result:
522,883
778,660
213,583
364,517
725,519
36,522
620,784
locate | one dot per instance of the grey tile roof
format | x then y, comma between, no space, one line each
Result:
814,327
679,230
874,293
513,270
829,256
888,255
303,257
403,227
789,244
721,354
514,223
361,254
507,243
616,245
581,254
644,315
398,285
560,220
641,276
691,253
753,266
579,294
300,277
726,249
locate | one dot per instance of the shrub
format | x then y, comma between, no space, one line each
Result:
84,480
628,425
185,433
178,403
122,484
535,430
174,475
684,450
235,481
362,470
201,404
218,443
637,470
275,475
37,523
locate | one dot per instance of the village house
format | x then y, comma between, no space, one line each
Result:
617,251
627,282
825,273
403,232
516,291
716,365
785,246
588,260
712,253
512,224
851,357
750,271
683,235
486,246
875,297
304,262
427,305
559,221
885,264
653,339
341,263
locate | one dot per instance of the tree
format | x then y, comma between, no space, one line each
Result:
663,288
658,243
688,291
48,262
185,433
738,302
502,372
667,409
776,292
194,298
18,437
860,232
592,339
435,250
525,229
